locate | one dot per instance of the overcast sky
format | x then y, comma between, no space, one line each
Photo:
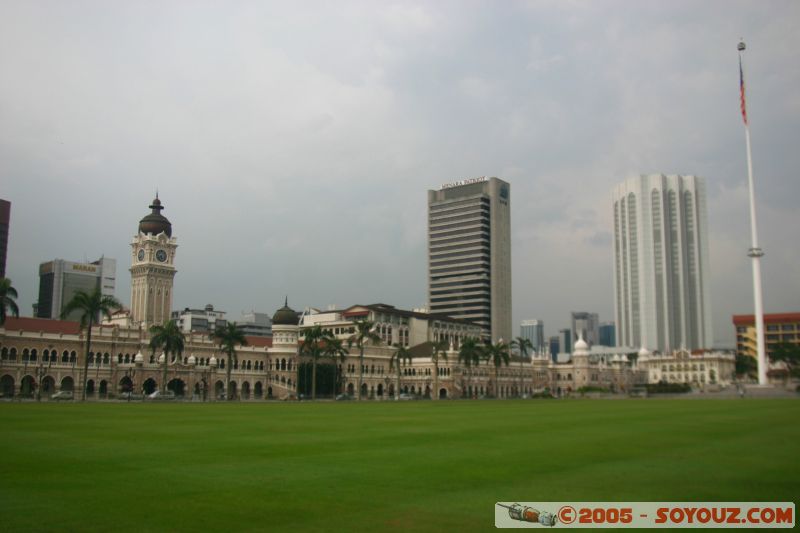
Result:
292,143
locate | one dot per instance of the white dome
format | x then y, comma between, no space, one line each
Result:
212,361
139,359
192,360
644,353
623,358
161,358
581,346
615,359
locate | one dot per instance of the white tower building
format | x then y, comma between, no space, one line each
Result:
661,272
152,268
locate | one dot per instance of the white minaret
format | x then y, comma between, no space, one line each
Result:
755,252
152,268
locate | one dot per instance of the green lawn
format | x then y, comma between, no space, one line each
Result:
420,466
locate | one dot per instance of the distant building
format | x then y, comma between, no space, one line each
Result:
555,347
533,330
778,328
60,280
588,324
205,320
608,336
256,324
5,219
565,339
469,254
661,263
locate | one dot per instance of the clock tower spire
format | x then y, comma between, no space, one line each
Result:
152,268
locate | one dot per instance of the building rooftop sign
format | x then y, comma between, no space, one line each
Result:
459,183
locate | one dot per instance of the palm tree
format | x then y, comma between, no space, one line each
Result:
335,350
523,345
7,296
313,345
228,337
364,333
400,356
438,349
497,354
169,337
470,353
91,306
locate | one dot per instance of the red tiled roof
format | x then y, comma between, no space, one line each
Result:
45,325
259,342
749,320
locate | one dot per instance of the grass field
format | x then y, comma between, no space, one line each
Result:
403,466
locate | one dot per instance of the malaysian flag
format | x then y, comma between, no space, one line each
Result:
741,88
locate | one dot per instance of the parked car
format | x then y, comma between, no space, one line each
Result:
158,395
343,397
130,396
405,396
62,395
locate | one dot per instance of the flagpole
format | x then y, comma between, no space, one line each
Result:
755,252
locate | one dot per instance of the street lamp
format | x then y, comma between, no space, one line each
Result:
212,367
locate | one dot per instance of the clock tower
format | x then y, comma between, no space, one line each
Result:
153,268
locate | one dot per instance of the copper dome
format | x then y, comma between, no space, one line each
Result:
285,316
155,222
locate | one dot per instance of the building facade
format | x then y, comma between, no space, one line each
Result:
586,324
256,324
60,280
533,330
661,270
779,328
205,320
152,268
607,332
469,253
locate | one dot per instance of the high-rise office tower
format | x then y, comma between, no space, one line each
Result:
565,338
5,218
588,324
59,280
555,347
661,280
533,330
469,253
607,334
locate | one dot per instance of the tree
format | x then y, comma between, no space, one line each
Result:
746,365
789,353
7,295
524,345
335,350
497,354
470,354
438,349
313,345
170,339
401,355
91,306
228,337
364,333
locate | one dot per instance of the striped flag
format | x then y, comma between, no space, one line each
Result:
741,89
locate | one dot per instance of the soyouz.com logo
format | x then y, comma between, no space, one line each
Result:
645,514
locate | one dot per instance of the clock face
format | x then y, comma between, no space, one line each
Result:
161,255
141,255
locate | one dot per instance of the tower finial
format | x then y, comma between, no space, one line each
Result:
286,301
